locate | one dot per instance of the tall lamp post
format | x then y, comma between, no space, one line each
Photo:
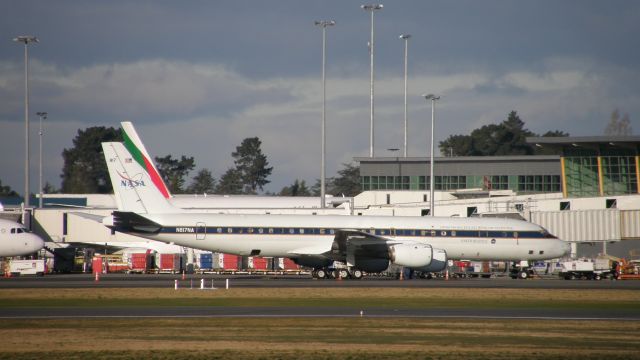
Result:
405,37
42,115
323,24
371,8
433,99
26,40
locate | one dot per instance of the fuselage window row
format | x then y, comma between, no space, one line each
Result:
377,232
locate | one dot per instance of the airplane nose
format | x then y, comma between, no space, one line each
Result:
36,243
566,248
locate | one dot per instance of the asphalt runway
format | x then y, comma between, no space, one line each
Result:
296,281
316,312
218,283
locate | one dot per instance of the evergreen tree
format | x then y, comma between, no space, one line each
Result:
174,171
49,189
347,182
202,183
251,165
230,183
506,138
85,170
6,191
315,189
298,188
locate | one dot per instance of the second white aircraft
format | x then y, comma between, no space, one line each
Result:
16,240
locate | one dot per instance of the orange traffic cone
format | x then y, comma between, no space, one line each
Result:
97,276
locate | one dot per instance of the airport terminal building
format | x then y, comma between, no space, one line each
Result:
584,166
588,193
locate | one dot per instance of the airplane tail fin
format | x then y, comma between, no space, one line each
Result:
133,184
134,144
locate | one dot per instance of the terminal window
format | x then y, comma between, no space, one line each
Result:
539,183
619,175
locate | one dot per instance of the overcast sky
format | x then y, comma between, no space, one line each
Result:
197,77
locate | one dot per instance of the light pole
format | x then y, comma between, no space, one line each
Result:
323,24
26,40
42,115
371,8
405,37
433,99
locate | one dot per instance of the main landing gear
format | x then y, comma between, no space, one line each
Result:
326,273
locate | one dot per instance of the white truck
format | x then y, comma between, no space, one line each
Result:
590,269
27,267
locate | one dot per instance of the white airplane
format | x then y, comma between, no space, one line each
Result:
364,243
16,240
136,147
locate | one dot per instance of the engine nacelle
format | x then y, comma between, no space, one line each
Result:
413,255
438,262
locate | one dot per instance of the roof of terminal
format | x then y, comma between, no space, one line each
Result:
570,140
459,158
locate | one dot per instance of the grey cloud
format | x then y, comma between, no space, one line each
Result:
155,90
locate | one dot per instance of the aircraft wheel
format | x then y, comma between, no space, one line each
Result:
429,276
523,274
343,273
321,274
356,274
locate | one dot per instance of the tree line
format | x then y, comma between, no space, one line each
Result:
85,170
505,138
509,137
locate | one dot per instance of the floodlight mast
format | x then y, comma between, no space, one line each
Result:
42,115
432,98
323,24
26,40
371,8
405,37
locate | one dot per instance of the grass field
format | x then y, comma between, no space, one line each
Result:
319,338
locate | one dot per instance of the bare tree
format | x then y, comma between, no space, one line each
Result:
618,126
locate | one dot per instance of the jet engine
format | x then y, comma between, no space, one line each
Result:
438,262
413,255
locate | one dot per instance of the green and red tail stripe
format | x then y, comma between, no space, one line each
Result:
141,159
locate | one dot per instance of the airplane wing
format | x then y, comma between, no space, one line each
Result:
311,250
362,243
